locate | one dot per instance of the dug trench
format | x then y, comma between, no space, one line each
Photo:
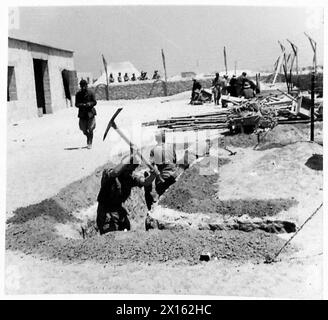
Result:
224,232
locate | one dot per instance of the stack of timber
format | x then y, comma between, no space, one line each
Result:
211,120
260,112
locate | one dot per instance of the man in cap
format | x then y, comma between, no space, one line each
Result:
116,185
85,101
111,78
248,91
133,78
164,158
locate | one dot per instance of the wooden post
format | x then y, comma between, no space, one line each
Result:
278,67
285,72
312,105
295,58
107,82
284,64
313,78
225,60
165,74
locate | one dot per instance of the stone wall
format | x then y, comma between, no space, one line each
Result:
146,89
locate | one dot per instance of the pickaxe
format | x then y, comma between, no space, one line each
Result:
112,124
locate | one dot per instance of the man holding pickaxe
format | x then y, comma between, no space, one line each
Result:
116,185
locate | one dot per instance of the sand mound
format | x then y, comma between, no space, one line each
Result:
40,230
278,137
195,192
37,237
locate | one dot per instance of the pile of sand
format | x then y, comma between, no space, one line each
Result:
195,192
37,237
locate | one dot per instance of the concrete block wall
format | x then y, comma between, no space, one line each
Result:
146,89
56,65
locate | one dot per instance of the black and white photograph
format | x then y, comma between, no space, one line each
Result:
171,149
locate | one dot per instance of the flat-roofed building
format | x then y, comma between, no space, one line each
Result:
41,79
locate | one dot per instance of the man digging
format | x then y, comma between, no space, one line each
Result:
116,185
165,160
85,101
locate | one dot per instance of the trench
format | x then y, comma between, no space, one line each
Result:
63,227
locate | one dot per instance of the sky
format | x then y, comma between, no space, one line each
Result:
192,37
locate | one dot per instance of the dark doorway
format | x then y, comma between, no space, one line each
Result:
65,76
69,83
42,85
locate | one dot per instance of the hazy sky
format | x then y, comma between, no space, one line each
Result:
192,37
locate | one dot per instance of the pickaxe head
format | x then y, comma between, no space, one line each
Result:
111,122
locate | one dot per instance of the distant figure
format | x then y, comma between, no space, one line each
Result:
140,77
133,78
224,85
216,88
143,76
85,101
126,77
248,91
119,77
156,76
240,81
232,85
196,89
111,78
224,89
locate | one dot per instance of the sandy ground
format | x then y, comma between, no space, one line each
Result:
45,154
48,150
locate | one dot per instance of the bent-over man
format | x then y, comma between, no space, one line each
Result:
116,185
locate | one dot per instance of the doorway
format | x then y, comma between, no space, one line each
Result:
42,85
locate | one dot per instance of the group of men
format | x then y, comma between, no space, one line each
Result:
117,182
236,87
242,87
126,78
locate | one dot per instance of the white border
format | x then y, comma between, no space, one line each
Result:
3,124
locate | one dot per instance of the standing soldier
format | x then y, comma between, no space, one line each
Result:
85,101
216,88
232,86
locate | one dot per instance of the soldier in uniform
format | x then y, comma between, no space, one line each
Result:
85,101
